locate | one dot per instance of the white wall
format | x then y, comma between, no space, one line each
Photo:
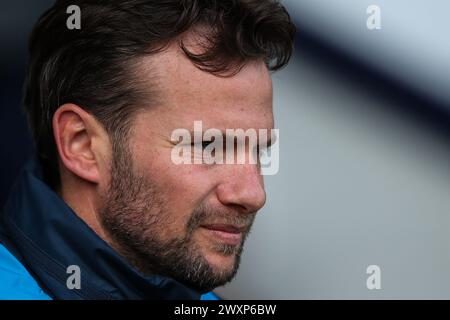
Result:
412,46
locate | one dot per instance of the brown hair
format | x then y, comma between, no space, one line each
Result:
91,66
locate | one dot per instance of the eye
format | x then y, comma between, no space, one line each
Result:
204,144
261,151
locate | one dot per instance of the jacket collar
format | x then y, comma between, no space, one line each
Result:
48,237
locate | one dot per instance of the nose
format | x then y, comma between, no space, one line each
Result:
243,189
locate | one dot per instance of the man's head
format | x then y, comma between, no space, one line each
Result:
104,100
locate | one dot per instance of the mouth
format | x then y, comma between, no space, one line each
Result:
225,233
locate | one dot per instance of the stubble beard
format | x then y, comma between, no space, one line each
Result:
135,216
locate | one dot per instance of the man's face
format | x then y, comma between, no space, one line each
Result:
187,221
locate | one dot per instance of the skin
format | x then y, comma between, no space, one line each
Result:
186,94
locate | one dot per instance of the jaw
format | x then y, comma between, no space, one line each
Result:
212,252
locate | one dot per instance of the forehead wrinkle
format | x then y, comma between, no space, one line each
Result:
179,77
189,93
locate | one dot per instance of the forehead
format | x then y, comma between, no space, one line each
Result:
187,94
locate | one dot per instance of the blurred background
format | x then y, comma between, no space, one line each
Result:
364,119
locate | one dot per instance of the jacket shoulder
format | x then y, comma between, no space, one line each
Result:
16,283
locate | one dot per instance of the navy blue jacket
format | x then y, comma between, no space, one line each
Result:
40,237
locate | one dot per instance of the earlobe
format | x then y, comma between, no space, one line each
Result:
74,130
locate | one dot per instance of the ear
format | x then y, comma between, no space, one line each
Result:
79,139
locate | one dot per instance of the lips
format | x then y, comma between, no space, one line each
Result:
225,233
224,228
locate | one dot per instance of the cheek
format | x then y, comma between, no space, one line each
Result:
183,186
187,186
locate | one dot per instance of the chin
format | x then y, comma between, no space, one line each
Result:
220,268
220,262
